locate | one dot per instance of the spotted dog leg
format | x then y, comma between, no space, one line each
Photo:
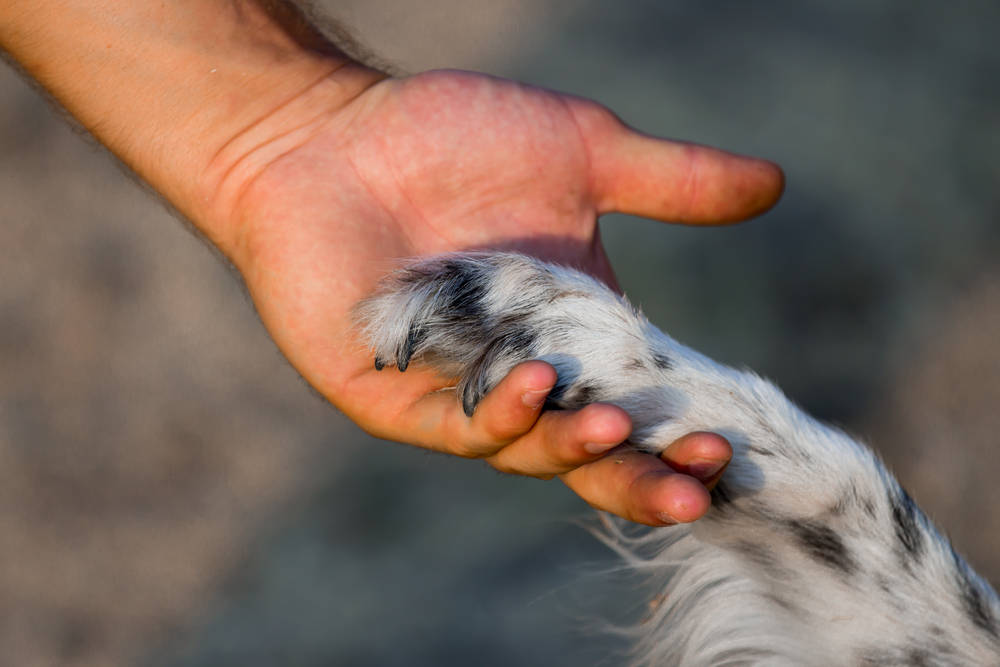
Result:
812,554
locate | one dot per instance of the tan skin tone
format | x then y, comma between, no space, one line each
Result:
319,193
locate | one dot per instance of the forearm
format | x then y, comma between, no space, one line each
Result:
193,95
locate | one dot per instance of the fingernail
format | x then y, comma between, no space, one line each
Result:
704,469
535,398
599,447
666,519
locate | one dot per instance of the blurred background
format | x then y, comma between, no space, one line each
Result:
172,494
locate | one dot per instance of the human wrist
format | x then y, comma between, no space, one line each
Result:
239,184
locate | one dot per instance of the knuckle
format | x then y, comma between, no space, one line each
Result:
468,450
501,465
495,431
508,462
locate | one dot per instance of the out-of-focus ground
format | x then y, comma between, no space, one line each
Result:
172,494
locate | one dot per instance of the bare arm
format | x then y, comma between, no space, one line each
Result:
314,174
181,91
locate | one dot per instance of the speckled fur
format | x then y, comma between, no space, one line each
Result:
812,554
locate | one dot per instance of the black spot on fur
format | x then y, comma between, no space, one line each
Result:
721,498
555,397
458,287
823,544
462,289
514,341
513,344
379,364
662,361
585,394
635,365
759,555
905,523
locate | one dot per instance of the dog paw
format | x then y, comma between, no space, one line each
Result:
466,315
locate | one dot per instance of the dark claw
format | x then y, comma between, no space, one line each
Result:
471,396
469,405
413,338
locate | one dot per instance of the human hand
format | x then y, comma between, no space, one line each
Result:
332,198
314,174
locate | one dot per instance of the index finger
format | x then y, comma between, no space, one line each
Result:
639,487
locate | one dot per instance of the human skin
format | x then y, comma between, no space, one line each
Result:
315,175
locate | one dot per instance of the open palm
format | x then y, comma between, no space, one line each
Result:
446,161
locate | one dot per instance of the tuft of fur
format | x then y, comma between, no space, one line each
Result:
812,553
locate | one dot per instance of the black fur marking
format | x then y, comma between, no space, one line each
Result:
555,396
721,498
463,288
379,364
823,544
515,340
760,451
662,361
905,523
585,394
764,558
510,347
635,365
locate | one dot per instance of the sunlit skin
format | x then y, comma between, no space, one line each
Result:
315,176
447,161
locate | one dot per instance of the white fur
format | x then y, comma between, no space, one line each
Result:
811,554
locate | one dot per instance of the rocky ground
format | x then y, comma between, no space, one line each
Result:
172,494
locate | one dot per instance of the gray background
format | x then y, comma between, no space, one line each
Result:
172,494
